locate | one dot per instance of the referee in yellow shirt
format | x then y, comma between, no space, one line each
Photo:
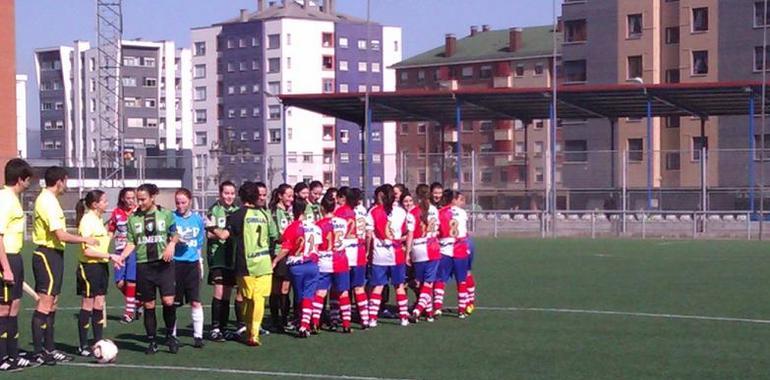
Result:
49,235
17,179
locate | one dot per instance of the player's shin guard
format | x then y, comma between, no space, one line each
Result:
345,310
471,289
374,306
84,323
13,336
334,307
462,297
403,304
150,324
307,313
197,319
318,305
216,311
239,313
98,320
39,324
49,332
363,308
424,299
438,296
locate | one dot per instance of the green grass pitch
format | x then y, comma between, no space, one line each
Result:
541,315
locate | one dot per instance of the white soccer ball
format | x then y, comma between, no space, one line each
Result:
105,351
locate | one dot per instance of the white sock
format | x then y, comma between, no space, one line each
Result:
197,317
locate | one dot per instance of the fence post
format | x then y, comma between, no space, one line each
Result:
694,225
748,225
644,225
495,223
624,160
593,224
543,223
703,173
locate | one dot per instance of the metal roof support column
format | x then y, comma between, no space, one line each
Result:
285,143
752,153
703,165
613,156
366,147
459,149
552,164
649,153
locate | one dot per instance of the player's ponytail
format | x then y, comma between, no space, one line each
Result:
298,208
388,197
86,204
422,191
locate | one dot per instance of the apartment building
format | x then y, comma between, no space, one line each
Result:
240,66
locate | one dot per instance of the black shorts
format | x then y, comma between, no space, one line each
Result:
221,276
92,279
157,276
281,270
188,282
48,269
12,292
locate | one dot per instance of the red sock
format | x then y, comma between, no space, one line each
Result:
403,305
307,311
471,282
363,308
374,306
438,293
424,299
318,305
130,298
345,309
462,297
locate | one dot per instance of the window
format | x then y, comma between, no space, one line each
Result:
200,116
758,57
244,89
201,139
230,67
395,46
404,76
539,175
759,9
575,71
361,88
375,67
635,150
288,86
274,112
362,44
376,158
575,31
362,66
199,48
344,87
421,128
231,113
698,143
635,66
257,136
274,41
129,82
254,65
467,126
199,93
328,132
230,90
575,151
255,112
92,106
307,157
254,41
92,85
199,71
485,72
672,76
343,65
404,130
274,87
539,69
327,62
327,40
242,66
344,136
92,64
328,85
635,25
150,103
700,60
485,126
134,122
150,82
375,44
344,158
538,148
672,161
130,61
343,42
255,88
758,146
131,102
700,19
376,136
151,123
274,65
274,135
467,72
376,181
672,122
244,112
672,35
288,39
148,62
520,149
230,44
375,88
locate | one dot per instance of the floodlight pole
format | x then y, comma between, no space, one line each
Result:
752,152
649,152
459,146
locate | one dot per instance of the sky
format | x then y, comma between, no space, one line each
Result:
46,23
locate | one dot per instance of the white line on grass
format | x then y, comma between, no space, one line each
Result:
626,313
225,370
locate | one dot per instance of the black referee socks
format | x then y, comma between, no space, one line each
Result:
150,323
216,312
97,320
169,318
39,323
49,342
3,336
83,325
13,336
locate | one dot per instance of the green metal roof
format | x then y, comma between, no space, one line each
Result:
489,46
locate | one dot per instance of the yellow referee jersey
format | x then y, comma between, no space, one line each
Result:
11,221
49,217
92,226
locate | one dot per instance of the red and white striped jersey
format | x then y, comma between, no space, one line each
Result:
361,213
387,231
350,239
425,246
331,251
453,232
301,239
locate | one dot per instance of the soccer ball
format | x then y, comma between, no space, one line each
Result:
105,351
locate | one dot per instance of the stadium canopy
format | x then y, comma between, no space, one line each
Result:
573,102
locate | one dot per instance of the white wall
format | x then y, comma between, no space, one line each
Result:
391,54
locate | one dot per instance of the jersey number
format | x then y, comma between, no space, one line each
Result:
453,228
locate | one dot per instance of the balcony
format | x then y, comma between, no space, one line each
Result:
504,134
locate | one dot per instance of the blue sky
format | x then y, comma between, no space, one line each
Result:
44,23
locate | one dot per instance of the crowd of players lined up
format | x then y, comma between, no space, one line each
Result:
317,245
